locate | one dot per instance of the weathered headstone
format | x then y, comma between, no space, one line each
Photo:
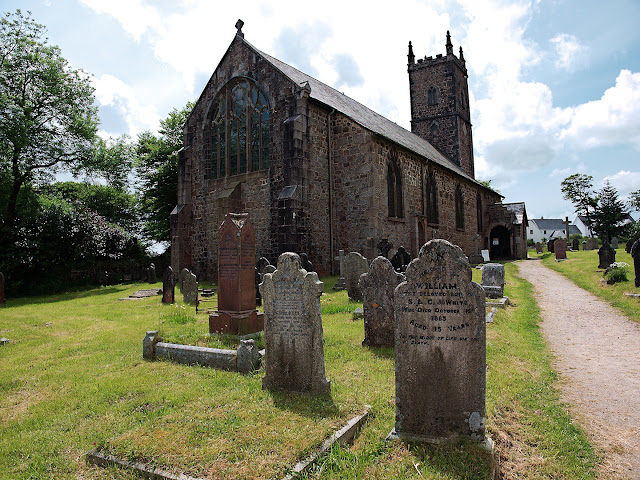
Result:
3,300
629,245
293,329
401,259
635,254
476,258
493,280
560,249
485,255
354,266
190,289
183,273
576,244
538,247
236,314
377,286
269,269
614,242
551,245
384,246
591,244
440,348
151,274
606,255
168,286
340,283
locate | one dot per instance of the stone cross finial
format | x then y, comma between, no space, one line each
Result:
239,25
411,57
340,259
449,44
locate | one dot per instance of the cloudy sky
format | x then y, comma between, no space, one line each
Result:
555,84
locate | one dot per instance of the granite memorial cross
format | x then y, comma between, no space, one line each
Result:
168,286
475,258
340,283
236,314
560,249
294,358
378,286
354,266
440,348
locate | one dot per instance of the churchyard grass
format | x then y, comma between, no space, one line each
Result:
581,268
73,379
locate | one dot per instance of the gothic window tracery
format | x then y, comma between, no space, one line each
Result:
240,129
432,96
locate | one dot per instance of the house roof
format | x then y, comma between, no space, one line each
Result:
518,210
366,117
548,223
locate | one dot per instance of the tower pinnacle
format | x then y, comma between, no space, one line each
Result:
411,57
449,44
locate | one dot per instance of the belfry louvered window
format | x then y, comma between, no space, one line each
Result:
240,129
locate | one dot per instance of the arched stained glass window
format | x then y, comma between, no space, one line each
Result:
394,187
240,129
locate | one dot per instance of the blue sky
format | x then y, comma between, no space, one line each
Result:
554,85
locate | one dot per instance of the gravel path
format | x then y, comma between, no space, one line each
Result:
597,353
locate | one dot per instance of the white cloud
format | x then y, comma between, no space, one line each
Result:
614,119
625,182
570,54
113,92
134,16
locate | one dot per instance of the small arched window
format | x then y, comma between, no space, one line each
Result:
432,199
394,187
240,129
459,208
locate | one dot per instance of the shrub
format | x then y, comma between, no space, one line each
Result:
616,272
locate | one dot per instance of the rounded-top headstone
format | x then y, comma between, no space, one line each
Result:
354,266
440,348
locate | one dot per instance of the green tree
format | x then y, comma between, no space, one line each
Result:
115,205
604,211
634,200
49,121
157,168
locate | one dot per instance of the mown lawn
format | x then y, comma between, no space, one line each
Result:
73,379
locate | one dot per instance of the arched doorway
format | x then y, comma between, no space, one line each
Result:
499,243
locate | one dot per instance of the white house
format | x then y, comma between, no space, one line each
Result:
548,228
581,223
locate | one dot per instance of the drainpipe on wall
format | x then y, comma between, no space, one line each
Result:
330,157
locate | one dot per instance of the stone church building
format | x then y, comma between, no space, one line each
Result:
319,172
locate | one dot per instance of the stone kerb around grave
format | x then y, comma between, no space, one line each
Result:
440,348
294,358
378,286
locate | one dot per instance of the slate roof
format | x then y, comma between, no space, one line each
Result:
548,223
518,210
365,116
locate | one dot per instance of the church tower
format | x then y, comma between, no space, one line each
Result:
440,104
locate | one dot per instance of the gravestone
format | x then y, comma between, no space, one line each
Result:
340,283
269,269
493,280
151,274
236,314
551,244
475,258
3,300
440,348
294,358
305,262
354,266
538,247
183,273
384,246
606,255
190,289
635,254
629,245
168,286
560,249
401,259
590,244
377,286
576,244
614,242
485,255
